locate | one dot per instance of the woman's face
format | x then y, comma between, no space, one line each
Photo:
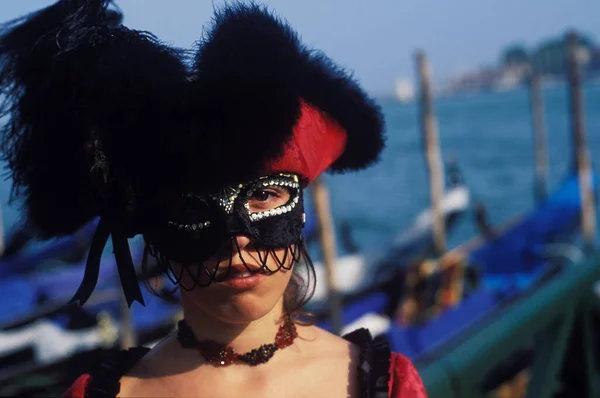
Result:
249,281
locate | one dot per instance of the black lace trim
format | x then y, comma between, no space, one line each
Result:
380,377
373,365
104,379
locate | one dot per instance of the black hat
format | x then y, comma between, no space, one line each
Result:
108,121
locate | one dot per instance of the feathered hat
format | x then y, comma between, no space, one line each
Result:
107,121
277,105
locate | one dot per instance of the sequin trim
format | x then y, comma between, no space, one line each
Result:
227,198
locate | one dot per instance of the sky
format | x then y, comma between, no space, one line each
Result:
376,39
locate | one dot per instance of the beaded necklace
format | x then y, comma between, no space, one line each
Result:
218,354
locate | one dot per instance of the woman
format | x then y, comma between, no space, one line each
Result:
208,163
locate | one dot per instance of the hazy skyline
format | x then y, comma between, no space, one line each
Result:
376,39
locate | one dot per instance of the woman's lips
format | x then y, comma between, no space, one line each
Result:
239,277
244,282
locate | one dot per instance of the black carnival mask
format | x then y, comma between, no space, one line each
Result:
200,231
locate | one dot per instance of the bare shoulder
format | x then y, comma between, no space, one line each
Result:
325,337
330,361
320,348
323,343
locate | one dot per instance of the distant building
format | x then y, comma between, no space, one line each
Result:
516,63
488,79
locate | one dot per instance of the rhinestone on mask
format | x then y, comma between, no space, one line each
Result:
282,181
228,196
190,227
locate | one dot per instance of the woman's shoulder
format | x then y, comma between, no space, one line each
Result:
103,380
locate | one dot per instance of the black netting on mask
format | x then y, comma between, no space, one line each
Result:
220,267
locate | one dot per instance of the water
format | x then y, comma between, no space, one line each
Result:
489,135
491,138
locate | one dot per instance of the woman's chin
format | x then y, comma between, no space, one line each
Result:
242,304
247,307
241,307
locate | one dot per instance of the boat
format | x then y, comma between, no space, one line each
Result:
535,250
41,355
509,264
363,270
58,251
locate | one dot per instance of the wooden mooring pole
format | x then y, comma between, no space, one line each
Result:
540,140
327,235
432,152
581,153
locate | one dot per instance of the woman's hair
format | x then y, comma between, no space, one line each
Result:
301,289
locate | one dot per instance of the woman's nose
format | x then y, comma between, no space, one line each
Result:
241,241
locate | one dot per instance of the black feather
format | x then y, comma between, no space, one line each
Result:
70,71
334,91
251,72
246,81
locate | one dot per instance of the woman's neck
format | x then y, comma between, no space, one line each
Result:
242,337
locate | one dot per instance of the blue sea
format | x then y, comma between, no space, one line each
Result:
491,138
489,135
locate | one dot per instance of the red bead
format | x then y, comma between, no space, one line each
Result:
286,334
